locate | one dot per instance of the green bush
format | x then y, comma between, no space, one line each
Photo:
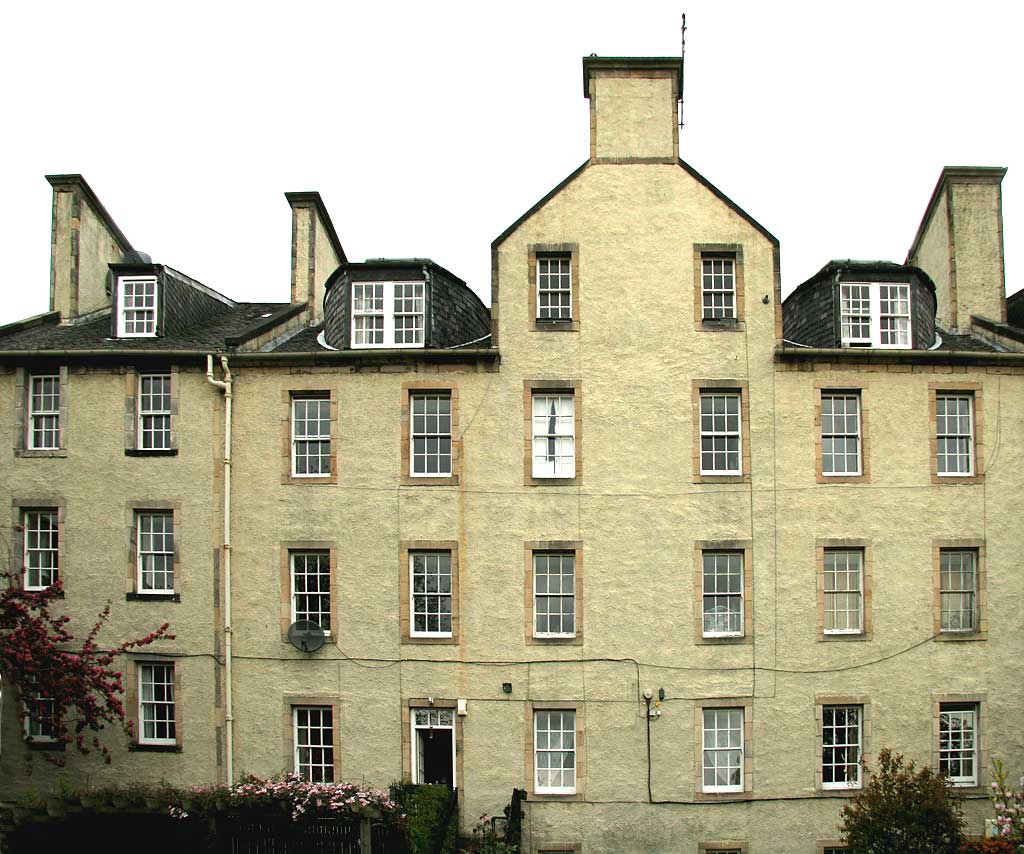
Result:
904,811
423,806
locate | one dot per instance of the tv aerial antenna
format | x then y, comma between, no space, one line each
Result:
682,55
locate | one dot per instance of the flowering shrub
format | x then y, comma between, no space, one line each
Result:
284,794
987,846
1009,807
71,689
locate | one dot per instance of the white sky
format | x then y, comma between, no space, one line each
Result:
430,127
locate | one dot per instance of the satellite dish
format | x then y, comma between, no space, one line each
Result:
305,635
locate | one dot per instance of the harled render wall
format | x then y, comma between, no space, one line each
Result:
638,512
97,487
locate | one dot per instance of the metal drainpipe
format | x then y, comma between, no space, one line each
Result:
226,386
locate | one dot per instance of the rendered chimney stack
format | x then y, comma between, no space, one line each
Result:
84,240
316,250
960,245
634,112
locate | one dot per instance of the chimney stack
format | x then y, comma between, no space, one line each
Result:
634,108
316,250
960,245
84,240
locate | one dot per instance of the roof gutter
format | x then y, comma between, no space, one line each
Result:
896,357
364,356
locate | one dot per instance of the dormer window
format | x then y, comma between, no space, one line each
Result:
136,306
387,314
875,314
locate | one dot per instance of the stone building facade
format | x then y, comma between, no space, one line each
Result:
669,554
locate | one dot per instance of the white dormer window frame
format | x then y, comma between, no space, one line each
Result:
388,315
875,314
137,306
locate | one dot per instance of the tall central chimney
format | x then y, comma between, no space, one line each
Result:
634,112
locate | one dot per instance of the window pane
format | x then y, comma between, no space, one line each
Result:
430,436
154,412
720,433
138,306
840,433
431,593
958,583
723,593
841,746
311,587
311,436
958,742
718,288
554,594
41,548
554,288
843,591
156,552
156,703
44,413
954,427
555,750
554,435
314,743
723,749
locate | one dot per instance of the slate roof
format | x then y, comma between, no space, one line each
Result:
302,342
1015,309
45,333
964,343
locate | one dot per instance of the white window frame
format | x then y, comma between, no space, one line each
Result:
308,438
149,326
39,727
554,434
34,553
711,596
428,435
560,594
303,727
720,282
875,316
157,415
322,571
971,712
547,789
48,418
839,419
944,397
946,574
389,295
436,718
149,707
554,283
164,553
857,746
836,591
710,744
439,594
713,433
